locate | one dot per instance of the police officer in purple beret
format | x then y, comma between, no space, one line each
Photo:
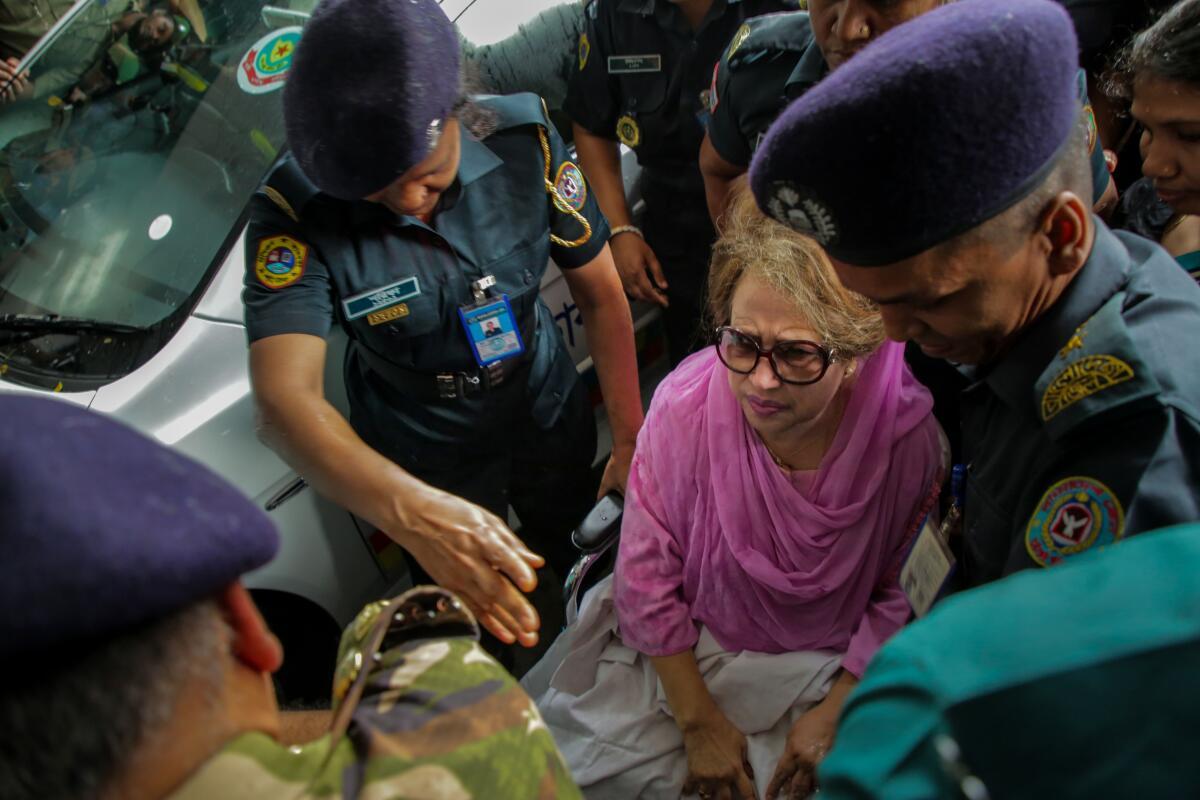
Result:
419,218
945,170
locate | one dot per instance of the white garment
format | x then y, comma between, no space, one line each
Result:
606,708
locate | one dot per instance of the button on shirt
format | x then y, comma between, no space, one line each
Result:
396,284
1088,430
640,64
762,71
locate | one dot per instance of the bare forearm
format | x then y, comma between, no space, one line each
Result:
601,162
690,701
720,177
317,441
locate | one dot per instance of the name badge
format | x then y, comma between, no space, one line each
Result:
491,330
926,569
366,303
621,65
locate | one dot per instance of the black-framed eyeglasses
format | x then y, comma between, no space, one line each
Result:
797,361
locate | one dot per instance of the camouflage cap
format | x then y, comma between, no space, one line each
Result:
105,529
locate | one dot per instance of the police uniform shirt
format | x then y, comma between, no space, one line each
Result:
773,60
1073,682
1088,430
644,75
396,284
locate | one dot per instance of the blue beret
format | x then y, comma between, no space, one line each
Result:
105,530
370,87
935,127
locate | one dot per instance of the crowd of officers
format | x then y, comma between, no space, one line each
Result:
420,216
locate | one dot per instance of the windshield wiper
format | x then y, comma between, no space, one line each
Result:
34,325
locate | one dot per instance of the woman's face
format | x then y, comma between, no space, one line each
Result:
774,408
1170,114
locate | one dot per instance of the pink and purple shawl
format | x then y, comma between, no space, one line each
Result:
716,534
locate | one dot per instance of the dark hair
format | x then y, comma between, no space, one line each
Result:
71,725
1169,49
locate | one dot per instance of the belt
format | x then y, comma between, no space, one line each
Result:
444,385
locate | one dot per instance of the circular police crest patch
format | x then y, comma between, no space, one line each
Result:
571,186
628,131
802,212
280,261
266,64
1074,515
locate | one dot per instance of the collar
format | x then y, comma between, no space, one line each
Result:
809,70
1017,372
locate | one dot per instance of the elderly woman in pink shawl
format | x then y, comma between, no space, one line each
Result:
778,482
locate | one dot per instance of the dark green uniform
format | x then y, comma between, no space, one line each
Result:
643,79
1088,429
521,432
1076,682
775,61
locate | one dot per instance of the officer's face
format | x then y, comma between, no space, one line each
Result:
1170,113
961,303
772,407
417,191
153,32
843,27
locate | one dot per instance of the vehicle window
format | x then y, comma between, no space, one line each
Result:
124,173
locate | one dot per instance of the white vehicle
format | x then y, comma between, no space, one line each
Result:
122,223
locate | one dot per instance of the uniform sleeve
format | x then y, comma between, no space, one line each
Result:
287,287
573,189
654,618
592,97
884,747
724,123
1123,478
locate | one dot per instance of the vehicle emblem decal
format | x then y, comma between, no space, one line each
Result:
266,63
280,261
1074,515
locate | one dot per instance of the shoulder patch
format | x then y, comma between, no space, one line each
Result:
571,186
585,50
1074,515
280,261
1083,378
780,32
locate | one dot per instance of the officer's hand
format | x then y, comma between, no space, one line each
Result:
469,551
810,738
616,472
636,263
20,81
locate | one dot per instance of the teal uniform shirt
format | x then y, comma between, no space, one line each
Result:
1087,430
1077,682
773,60
1191,263
396,285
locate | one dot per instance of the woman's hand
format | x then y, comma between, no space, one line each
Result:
717,765
810,738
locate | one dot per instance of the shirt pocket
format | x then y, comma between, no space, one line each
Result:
643,93
399,311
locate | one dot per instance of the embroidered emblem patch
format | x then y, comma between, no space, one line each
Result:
571,186
1074,515
1089,116
739,38
1082,379
280,261
1074,343
585,50
628,131
266,63
802,212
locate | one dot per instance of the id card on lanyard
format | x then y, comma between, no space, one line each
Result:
490,325
930,562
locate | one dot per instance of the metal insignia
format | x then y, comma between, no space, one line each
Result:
1084,378
739,39
628,131
585,49
433,134
802,212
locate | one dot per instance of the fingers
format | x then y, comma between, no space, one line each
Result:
783,774
745,787
508,555
656,273
803,783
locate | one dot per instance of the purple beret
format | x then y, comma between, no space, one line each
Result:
105,530
370,88
937,126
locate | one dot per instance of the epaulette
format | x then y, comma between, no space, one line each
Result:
515,110
1098,369
288,188
769,34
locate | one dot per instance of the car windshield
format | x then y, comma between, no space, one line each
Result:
126,164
